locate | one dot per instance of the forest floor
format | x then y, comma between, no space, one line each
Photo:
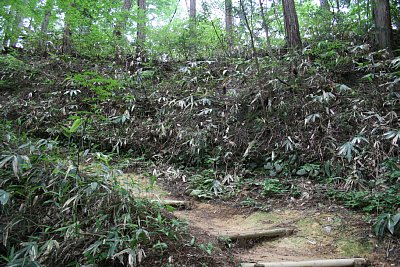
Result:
320,231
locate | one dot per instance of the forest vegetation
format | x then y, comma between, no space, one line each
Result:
250,103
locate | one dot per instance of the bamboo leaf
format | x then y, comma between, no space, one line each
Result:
75,125
4,197
5,160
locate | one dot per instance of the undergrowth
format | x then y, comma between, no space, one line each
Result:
323,123
57,210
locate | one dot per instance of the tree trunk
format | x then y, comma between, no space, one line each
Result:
43,29
45,24
250,29
67,44
383,28
266,28
293,39
17,26
67,34
192,10
324,4
120,28
141,27
6,31
229,23
121,25
127,5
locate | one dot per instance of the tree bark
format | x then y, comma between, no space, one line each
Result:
141,28
43,29
45,23
67,34
292,31
6,31
266,27
17,26
121,25
324,4
383,28
229,23
250,29
67,43
127,5
192,10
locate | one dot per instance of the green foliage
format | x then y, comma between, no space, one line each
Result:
64,204
68,132
13,72
205,185
370,201
387,222
102,87
209,248
312,170
392,169
271,186
329,54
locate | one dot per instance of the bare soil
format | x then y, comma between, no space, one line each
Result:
320,233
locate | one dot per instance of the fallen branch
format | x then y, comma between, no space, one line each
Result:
356,262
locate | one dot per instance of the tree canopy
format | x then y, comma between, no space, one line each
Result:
164,26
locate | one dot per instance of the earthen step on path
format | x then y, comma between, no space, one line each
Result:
174,203
356,262
271,233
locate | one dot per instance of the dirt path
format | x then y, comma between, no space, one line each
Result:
318,234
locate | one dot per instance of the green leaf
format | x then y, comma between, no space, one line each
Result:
301,172
75,125
380,225
392,222
4,197
5,160
343,87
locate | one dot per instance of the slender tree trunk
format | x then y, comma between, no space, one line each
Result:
121,25
67,34
253,47
266,27
20,27
5,38
127,5
44,28
368,11
324,4
338,5
120,28
67,43
126,8
141,28
16,28
229,23
6,31
383,28
192,10
277,18
292,31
